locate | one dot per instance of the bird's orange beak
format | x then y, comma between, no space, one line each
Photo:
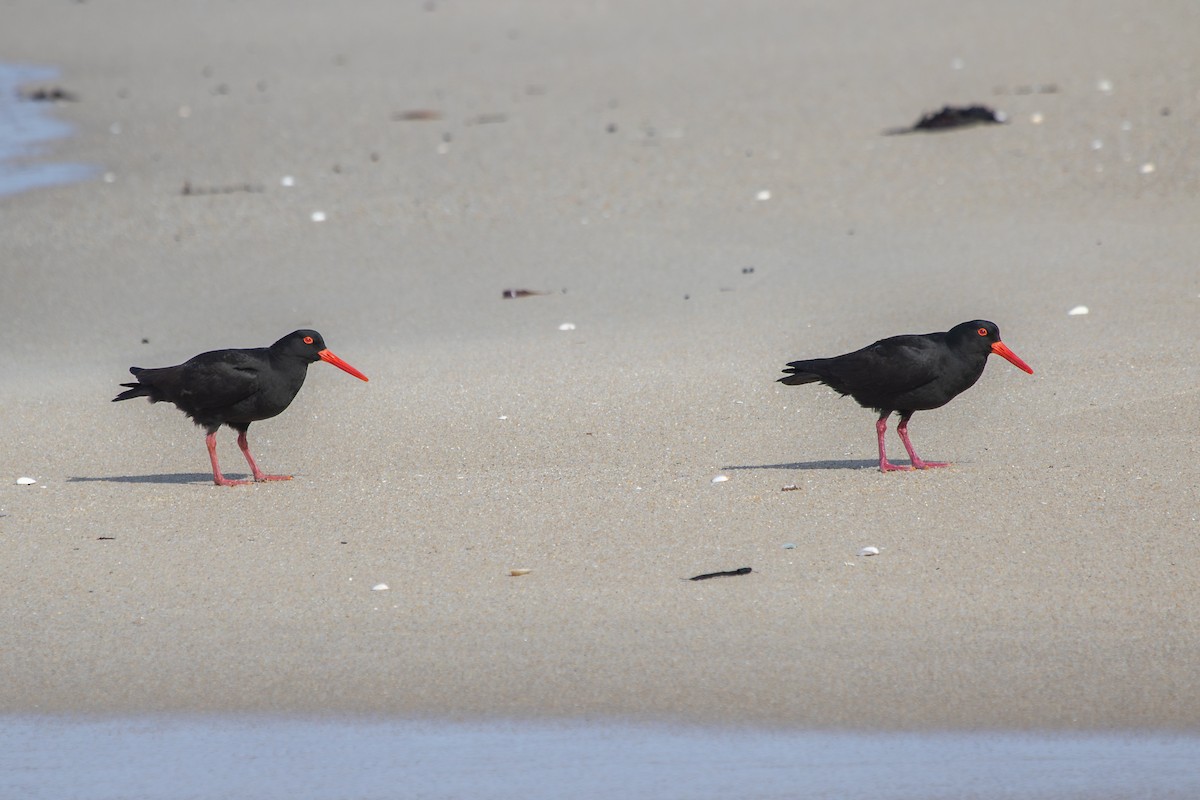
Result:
999,348
325,355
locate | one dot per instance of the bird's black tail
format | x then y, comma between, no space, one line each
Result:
798,373
135,389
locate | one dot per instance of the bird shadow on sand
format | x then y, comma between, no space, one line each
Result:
177,477
844,463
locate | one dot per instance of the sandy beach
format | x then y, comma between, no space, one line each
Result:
704,192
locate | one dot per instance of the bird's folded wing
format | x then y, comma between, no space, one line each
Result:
900,365
221,382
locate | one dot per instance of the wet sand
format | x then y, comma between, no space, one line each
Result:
705,192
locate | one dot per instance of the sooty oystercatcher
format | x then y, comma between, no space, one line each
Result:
909,373
235,388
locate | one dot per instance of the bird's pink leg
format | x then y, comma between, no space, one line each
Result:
258,474
917,463
884,464
218,478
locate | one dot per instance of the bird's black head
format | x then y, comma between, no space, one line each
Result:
309,346
978,334
304,344
981,336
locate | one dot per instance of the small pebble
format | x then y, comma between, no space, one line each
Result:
26,481
1078,311
318,216
720,479
567,326
791,487
516,573
789,546
1146,168
869,551
379,587
287,180
1105,86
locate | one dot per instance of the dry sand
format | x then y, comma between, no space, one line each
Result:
612,153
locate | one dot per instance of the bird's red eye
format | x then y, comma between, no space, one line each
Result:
308,339
981,332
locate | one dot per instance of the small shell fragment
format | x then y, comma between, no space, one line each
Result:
318,216
791,487
26,481
790,546
287,180
869,551
567,326
516,573
1078,311
765,194
379,587
720,479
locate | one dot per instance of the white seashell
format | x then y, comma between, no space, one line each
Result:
763,195
1037,118
869,551
379,587
318,216
516,573
287,180
720,479
1078,311
567,326
1105,86
26,481
1146,168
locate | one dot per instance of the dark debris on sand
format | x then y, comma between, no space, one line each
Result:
54,94
952,117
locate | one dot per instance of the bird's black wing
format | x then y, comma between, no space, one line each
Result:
905,362
219,379
877,375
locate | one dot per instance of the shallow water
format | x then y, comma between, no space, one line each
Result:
25,129
148,758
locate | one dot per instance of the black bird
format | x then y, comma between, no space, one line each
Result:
235,388
909,373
